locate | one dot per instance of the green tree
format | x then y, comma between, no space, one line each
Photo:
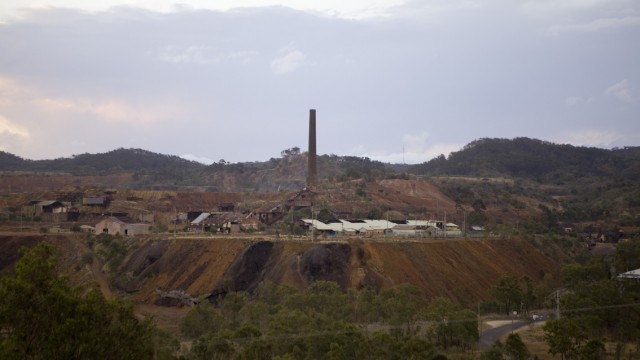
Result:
563,337
384,346
416,348
574,275
288,323
42,318
368,307
326,297
494,352
508,292
200,320
324,215
592,350
113,250
628,255
453,326
257,313
214,345
254,347
528,296
230,307
515,348
542,290
407,301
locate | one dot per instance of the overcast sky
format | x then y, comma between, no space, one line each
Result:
392,80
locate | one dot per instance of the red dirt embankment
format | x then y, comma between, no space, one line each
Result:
463,270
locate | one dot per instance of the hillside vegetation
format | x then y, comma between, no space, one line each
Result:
517,158
493,181
358,299
534,159
549,216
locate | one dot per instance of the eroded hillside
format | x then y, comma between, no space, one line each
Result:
463,270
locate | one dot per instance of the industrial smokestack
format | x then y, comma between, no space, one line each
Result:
312,171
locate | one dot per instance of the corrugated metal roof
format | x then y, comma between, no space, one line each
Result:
371,225
347,226
422,222
633,274
200,218
47,202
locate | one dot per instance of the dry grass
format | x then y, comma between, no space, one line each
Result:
532,335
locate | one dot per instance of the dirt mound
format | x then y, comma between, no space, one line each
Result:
192,266
247,271
142,263
326,262
411,194
463,270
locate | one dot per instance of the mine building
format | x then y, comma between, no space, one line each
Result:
121,225
50,210
420,228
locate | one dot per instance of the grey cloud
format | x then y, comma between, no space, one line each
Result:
238,84
621,91
597,25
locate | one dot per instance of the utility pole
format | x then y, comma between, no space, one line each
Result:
479,322
313,226
464,224
557,304
385,230
444,226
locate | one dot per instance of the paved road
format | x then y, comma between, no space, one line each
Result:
490,336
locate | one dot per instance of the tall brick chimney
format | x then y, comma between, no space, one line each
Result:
312,171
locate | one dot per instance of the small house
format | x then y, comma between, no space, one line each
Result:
49,209
121,226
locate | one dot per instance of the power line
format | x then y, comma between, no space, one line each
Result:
363,328
595,308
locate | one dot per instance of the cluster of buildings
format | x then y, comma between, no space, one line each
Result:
224,219
227,220
419,228
113,223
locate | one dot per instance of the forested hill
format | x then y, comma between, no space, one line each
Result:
158,171
119,160
534,159
518,158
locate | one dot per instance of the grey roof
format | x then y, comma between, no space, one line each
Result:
200,218
367,225
633,274
48,202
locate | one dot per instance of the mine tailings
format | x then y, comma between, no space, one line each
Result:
463,270
460,269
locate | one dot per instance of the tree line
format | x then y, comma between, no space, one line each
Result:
41,316
597,307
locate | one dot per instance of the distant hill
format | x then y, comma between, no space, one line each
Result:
496,181
523,158
534,159
115,161
159,171
11,162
